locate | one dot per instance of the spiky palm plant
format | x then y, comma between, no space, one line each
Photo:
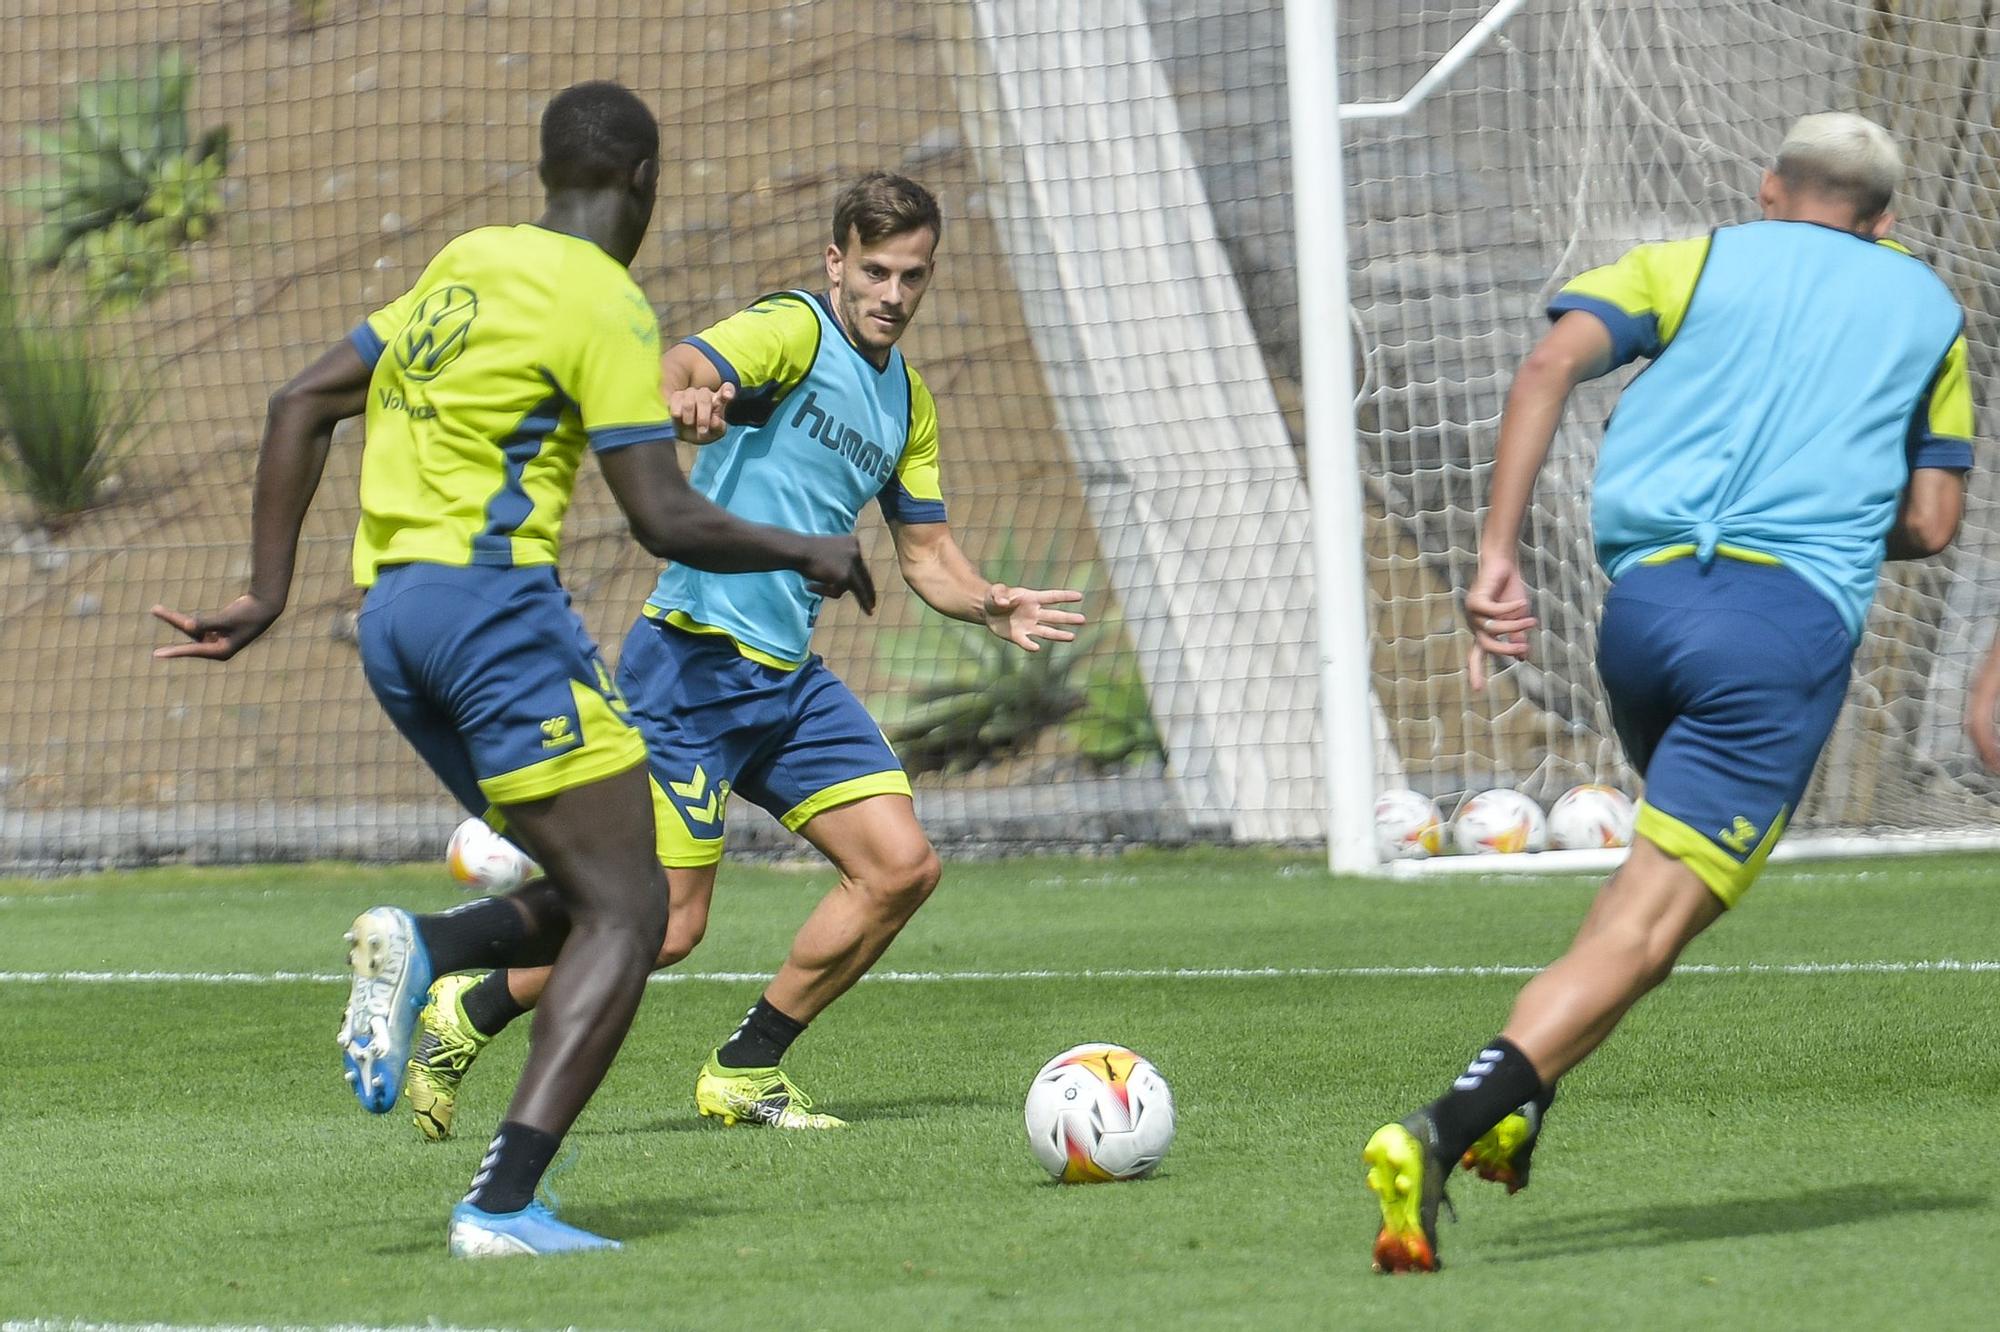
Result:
67,419
124,152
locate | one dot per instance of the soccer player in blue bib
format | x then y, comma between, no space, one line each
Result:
1806,413
719,670
517,349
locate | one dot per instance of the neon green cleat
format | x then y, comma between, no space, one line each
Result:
447,1043
1408,1180
1507,1150
756,1096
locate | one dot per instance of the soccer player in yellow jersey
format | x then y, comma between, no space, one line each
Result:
723,683
482,386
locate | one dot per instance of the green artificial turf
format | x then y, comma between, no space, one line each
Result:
1773,1148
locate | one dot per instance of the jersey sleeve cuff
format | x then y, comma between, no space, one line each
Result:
369,343
718,360
900,506
609,438
1951,455
1632,336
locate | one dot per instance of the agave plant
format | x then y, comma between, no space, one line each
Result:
67,420
128,261
970,699
1115,726
124,152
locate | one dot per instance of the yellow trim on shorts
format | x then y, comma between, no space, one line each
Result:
610,746
893,782
677,846
1672,553
687,624
1726,877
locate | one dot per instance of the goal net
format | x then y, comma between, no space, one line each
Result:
1587,128
1112,340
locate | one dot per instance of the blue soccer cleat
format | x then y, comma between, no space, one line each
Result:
529,1232
392,975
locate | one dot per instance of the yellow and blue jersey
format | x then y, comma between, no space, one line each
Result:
1798,374
516,348
840,433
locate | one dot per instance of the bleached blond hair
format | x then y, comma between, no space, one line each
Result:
1846,156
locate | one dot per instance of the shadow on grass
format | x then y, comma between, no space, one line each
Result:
1657,1226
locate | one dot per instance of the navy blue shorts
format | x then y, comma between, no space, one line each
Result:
797,742
494,680
1724,683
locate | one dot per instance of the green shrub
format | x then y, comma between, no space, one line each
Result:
124,153
67,420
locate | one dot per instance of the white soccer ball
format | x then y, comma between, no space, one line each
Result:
1499,821
1098,1113
1407,826
1591,817
482,861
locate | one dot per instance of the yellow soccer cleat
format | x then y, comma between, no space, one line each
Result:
1409,1183
756,1096
447,1043
1505,1152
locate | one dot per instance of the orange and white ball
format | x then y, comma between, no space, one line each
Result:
1408,826
1098,1113
1591,817
482,861
1499,822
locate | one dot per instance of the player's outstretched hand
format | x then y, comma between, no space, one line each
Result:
699,413
836,568
1496,608
219,635
1022,614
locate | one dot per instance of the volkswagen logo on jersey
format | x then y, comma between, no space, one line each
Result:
436,333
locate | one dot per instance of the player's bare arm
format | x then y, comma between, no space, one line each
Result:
1578,348
1928,520
298,431
696,394
939,572
674,523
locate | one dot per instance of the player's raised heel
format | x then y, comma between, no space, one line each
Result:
1505,1152
392,974
1409,1186
531,1232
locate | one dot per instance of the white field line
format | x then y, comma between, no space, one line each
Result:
1939,966
86,1325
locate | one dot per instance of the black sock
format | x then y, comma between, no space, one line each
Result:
490,1005
512,1168
762,1040
485,933
1499,1081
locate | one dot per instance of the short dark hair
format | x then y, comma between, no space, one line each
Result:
881,205
594,135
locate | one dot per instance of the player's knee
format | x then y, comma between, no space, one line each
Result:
895,886
906,883
685,928
1644,950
